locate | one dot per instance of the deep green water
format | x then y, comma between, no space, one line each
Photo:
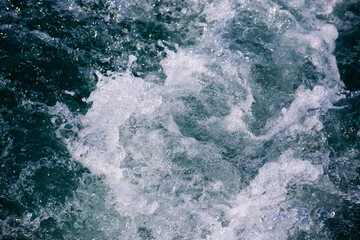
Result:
198,119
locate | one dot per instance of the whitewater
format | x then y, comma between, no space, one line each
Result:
225,130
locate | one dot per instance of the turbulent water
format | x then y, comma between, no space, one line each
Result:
172,119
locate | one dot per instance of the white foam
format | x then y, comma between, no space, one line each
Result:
219,11
132,135
234,121
71,93
45,37
304,113
258,211
97,146
182,69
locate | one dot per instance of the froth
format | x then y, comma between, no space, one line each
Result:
261,210
297,118
164,148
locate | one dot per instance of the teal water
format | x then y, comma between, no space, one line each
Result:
199,119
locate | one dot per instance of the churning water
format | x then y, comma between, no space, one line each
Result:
172,119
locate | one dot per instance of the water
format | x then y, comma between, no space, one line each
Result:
179,119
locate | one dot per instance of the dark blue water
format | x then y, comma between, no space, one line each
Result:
197,119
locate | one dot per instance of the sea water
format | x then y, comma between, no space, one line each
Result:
198,119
